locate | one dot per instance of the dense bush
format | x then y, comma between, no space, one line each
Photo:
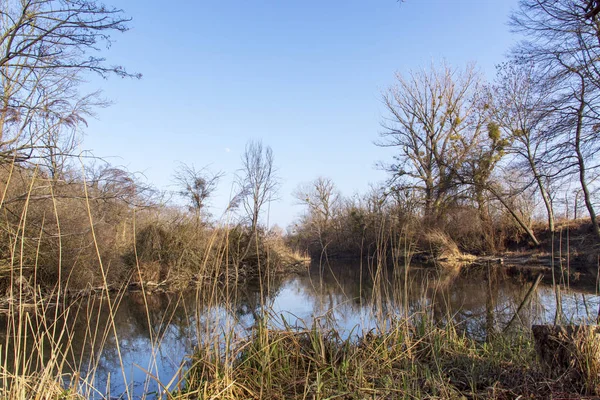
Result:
104,228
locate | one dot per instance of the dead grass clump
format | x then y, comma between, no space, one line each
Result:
571,354
444,251
412,359
181,249
155,253
177,249
36,386
58,230
281,255
440,245
587,360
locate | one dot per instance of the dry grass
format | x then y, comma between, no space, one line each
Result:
61,239
444,250
47,240
570,354
587,356
410,359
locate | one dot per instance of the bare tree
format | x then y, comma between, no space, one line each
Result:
438,121
196,186
592,9
46,47
477,172
111,183
563,38
522,105
434,122
257,180
323,201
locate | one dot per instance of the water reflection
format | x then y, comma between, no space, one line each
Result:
155,332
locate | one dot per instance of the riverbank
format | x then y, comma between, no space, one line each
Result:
571,252
412,358
335,330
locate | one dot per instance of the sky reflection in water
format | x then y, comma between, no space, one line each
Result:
342,295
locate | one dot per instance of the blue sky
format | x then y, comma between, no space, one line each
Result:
305,77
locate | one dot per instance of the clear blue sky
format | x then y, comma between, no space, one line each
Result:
303,76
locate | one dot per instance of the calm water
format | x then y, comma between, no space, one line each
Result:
153,345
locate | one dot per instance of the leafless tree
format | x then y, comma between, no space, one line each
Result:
434,122
257,180
592,9
563,38
323,201
46,47
196,185
110,183
478,173
522,105
448,144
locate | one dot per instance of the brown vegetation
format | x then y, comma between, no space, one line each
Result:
571,353
412,359
473,161
83,232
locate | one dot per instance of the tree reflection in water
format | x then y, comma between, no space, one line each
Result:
156,332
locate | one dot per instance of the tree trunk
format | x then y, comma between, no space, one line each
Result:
581,165
568,349
544,193
487,229
516,217
428,213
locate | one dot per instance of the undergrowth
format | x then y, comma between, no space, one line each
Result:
411,358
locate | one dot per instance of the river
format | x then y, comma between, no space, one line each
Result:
152,335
